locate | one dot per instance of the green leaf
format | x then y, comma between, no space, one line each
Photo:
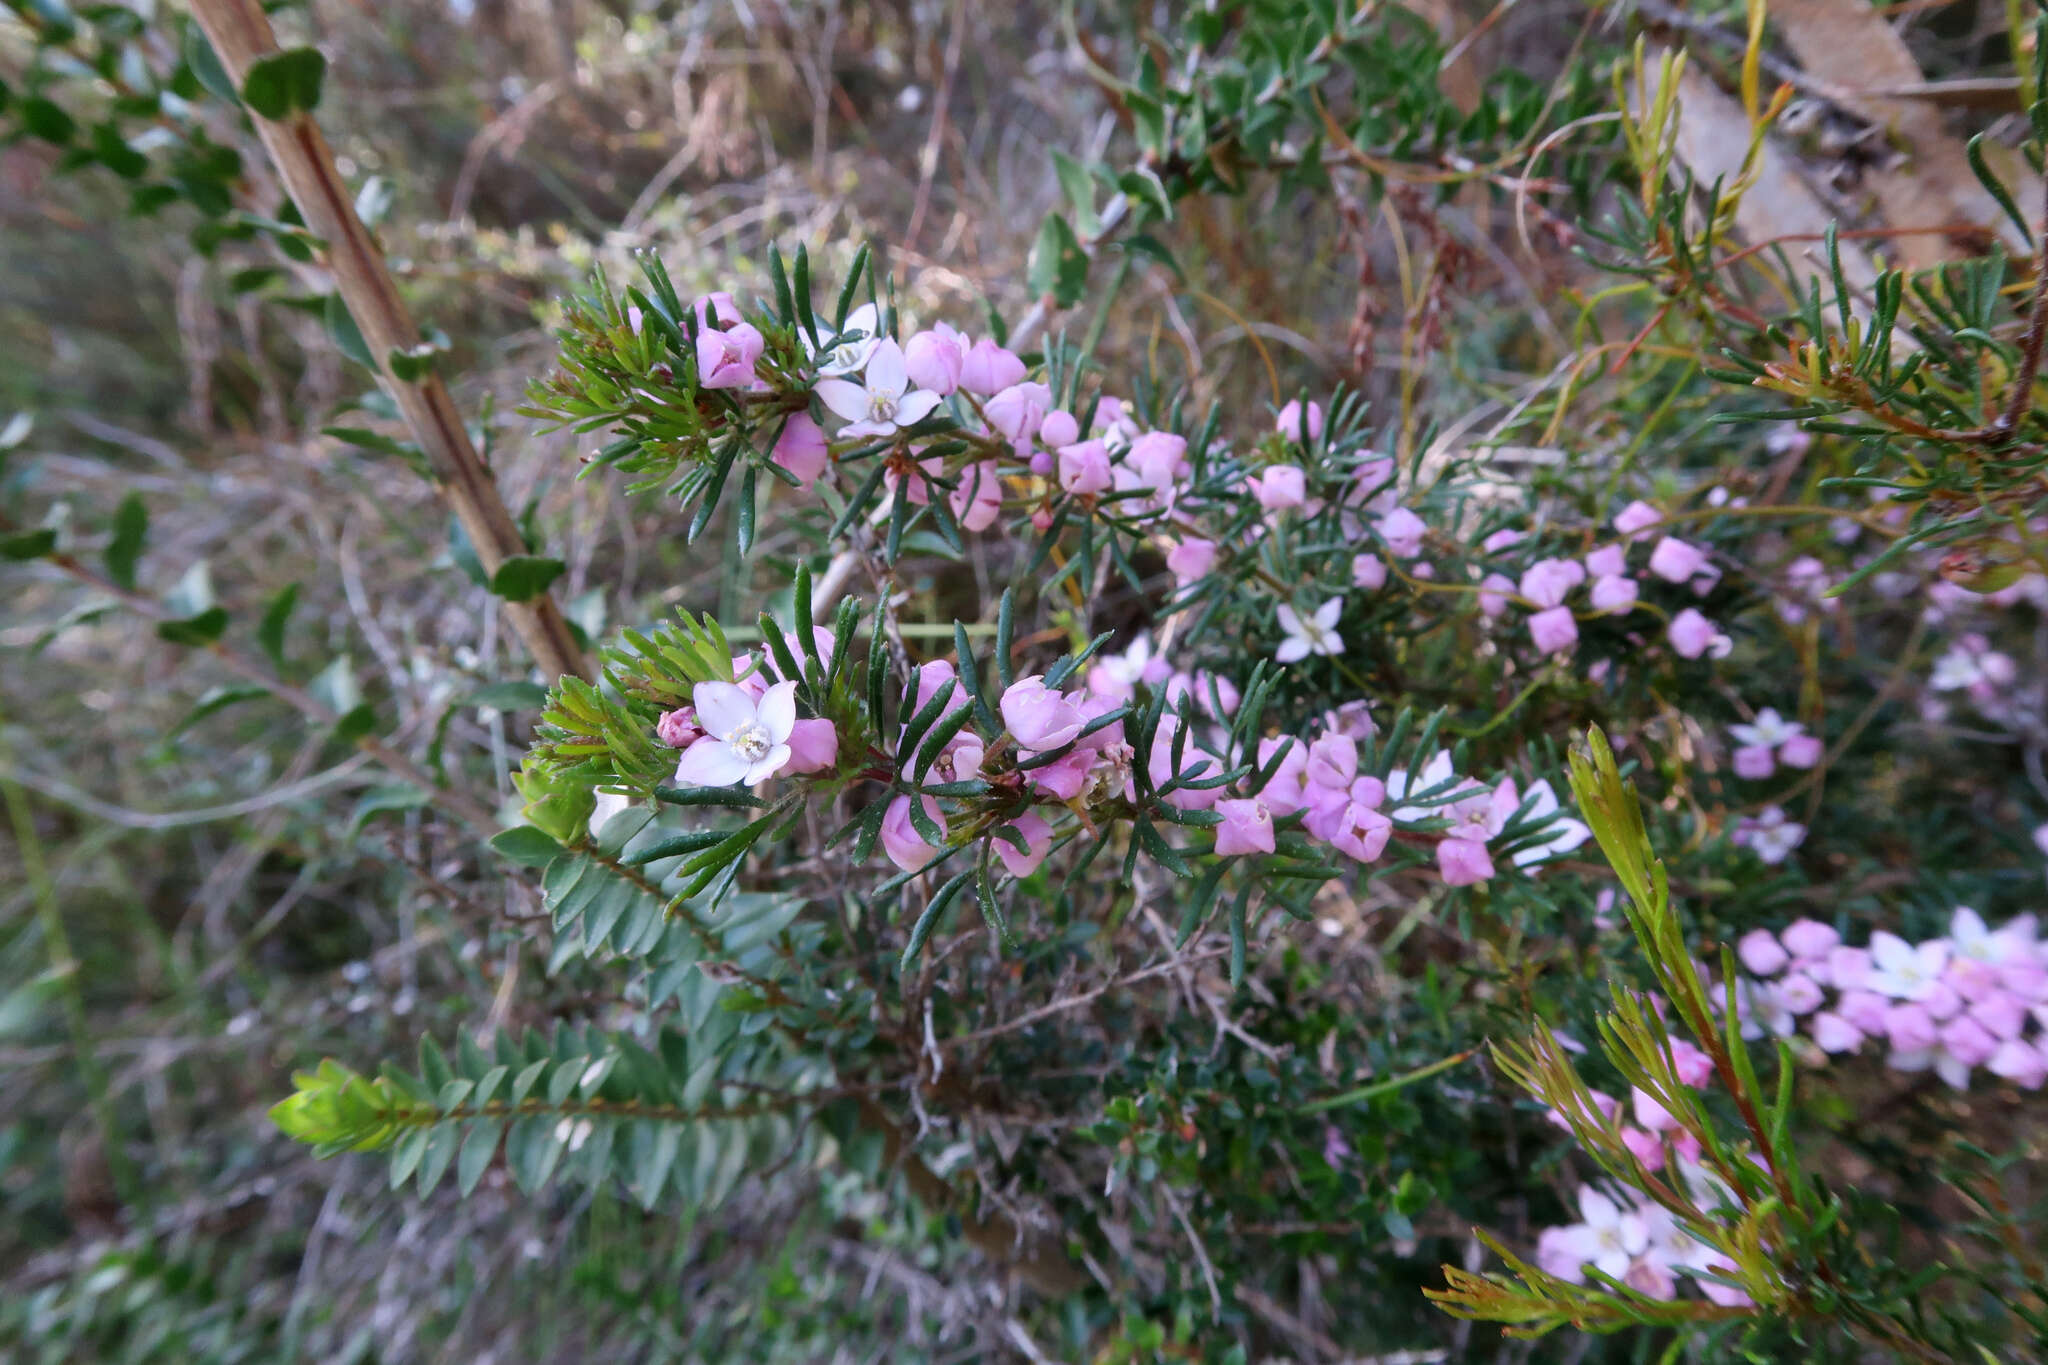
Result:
526,846
202,629
355,722
1145,244
286,83
413,364
386,800
206,66
525,577
216,699
926,922
28,544
131,529
1079,187
46,120
509,696
1059,266
347,337
270,630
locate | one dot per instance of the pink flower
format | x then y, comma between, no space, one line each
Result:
1692,635
1402,531
933,359
1064,779
678,728
2003,1014
714,310
987,368
1800,751
2024,1064
1059,429
1362,831
1500,540
1849,968
934,675
1675,560
1160,460
978,500
1463,862
1017,411
1863,1011
1968,1041
745,740
1761,953
1297,425
1039,717
1800,993
1754,761
901,841
1247,827
1808,940
1494,591
1037,843
725,360
1084,468
800,449
1645,1146
1635,518
1333,764
884,403
1614,593
1649,1113
1195,765
1690,1064
813,747
1910,1028
1835,1034
1191,559
1609,561
1554,631
1546,582
1369,571
1280,486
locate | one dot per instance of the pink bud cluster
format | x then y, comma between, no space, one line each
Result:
1611,588
1974,997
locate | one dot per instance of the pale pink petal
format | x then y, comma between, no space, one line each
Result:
710,763
887,372
722,708
777,712
1291,649
768,764
1290,622
846,399
1327,614
915,406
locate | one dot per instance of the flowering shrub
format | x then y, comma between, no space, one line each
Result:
1083,818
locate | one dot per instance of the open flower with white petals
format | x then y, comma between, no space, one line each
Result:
848,349
883,403
745,740
1316,634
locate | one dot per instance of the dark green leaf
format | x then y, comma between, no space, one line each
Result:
526,846
341,327
270,631
286,83
1059,267
525,577
202,629
22,545
131,529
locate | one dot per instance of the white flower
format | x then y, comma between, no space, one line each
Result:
1905,971
1762,1009
1434,774
744,740
1767,731
1316,635
1561,833
847,350
1610,1238
1972,938
1770,835
884,403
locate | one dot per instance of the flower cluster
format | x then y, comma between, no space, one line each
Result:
1637,1242
1973,997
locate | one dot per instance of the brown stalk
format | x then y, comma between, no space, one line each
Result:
241,35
